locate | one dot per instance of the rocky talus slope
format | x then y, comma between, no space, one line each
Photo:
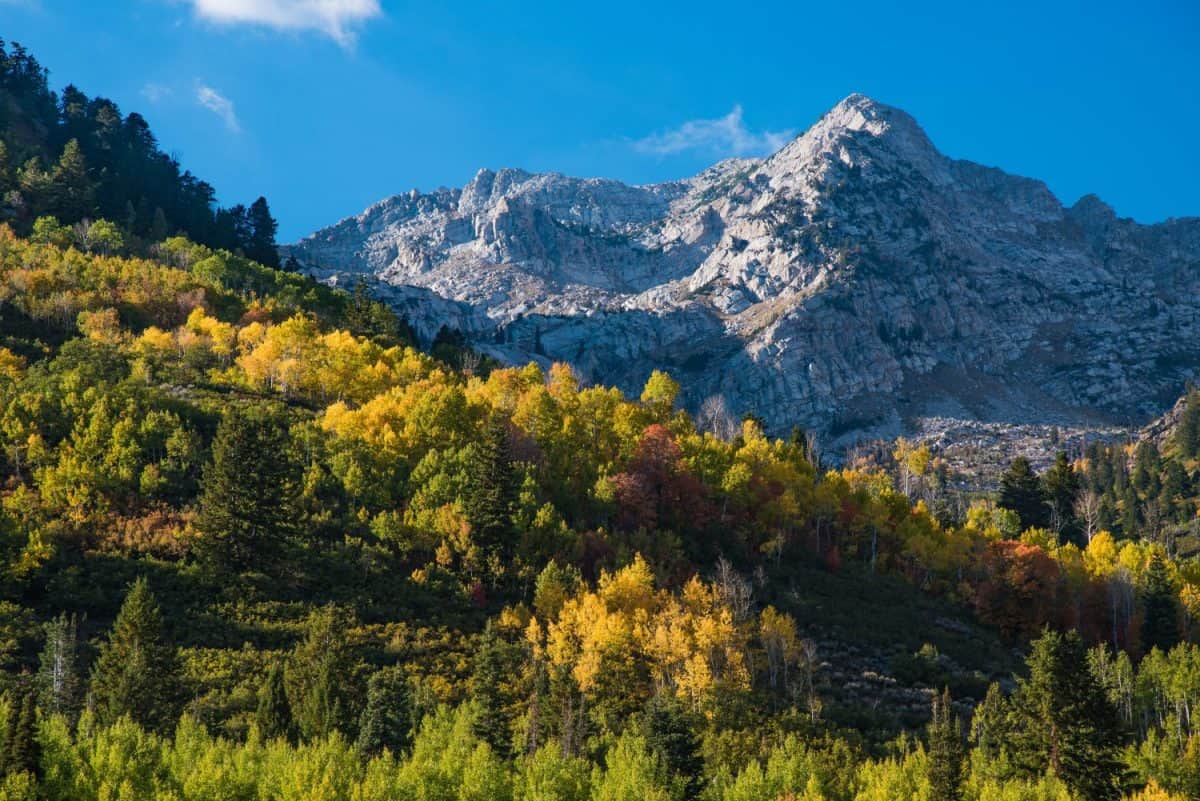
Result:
857,282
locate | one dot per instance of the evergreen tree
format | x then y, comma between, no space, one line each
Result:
22,753
490,493
946,751
1130,517
1160,619
1065,721
71,195
1187,434
1062,487
492,722
386,721
137,672
58,669
273,717
672,733
320,672
1021,491
247,492
261,227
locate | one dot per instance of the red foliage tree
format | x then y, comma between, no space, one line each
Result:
657,490
1020,589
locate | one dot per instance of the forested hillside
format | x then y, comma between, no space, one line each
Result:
254,540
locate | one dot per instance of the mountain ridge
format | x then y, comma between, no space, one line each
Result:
854,282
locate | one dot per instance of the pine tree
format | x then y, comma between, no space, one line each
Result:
671,732
1021,491
1160,619
1187,434
273,717
492,722
1062,486
319,675
58,669
1065,722
262,227
946,751
1130,513
490,493
247,492
21,750
71,195
22,753
137,672
386,721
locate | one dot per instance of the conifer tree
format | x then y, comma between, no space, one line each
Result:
1187,434
1021,491
946,751
319,674
247,492
1065,722
58,668
71,195
1062,487
386,721
490,493
261,227
22,753
1160,619
672,733
137,672
273,717
492,722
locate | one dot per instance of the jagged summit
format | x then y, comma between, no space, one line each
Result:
855,282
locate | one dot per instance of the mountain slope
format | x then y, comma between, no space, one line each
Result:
855,282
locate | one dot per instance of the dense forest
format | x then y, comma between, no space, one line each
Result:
256,544
79,159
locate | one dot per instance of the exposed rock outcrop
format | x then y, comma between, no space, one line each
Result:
853,282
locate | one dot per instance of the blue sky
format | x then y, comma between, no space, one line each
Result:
325,106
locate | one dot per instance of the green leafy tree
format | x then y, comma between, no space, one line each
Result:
49,231
248,492
386,721
946,751
1021,491
634,771
1160,619
58,668
1065,721
137,672
273,716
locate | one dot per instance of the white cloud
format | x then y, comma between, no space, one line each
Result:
154,92
723,137
338,19
220,105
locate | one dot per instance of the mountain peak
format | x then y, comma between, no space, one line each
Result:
857,112
859,129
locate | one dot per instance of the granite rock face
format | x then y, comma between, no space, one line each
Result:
855,282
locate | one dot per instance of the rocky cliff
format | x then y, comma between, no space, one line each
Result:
857,282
